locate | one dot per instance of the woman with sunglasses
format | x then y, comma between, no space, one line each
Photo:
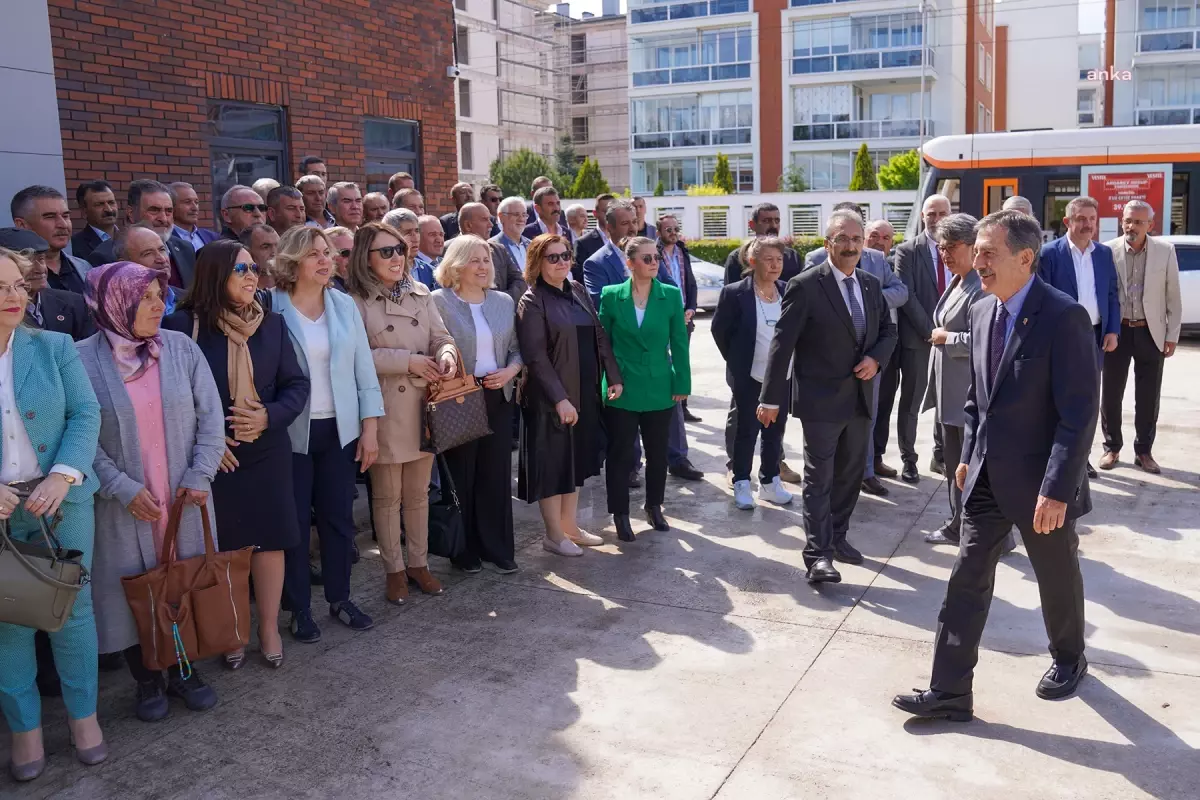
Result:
411,347
263,390
341,243
645,321
565,349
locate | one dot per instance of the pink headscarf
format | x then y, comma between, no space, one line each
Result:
114,292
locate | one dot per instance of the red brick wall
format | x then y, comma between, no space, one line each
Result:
135,76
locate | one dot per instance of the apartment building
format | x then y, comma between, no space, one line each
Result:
1154,46
507,93
800,83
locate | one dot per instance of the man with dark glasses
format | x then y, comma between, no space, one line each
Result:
152,205
241,207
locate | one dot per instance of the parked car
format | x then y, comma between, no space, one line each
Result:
709,279
1187,248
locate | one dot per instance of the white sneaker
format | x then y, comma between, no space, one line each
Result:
774,492
742,498
585,539
564,548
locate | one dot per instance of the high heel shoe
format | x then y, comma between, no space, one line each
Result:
235,661
657,520
624,529
23,773
274,660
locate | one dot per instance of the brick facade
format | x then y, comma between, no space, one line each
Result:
134,78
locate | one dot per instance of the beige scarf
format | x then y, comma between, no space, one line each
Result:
238,330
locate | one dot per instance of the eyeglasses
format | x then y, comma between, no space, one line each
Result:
555,258
841,240
669,230
646,258
249,207
13,288
947,247
344,253
242,269
389,251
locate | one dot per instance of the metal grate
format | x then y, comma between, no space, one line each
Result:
714,222
897,214
806,220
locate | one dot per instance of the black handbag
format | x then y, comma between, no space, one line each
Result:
447,535
455,412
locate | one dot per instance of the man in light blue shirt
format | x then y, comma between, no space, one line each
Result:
429,255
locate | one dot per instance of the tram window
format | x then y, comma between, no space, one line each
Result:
1058,194
949,188
1179,205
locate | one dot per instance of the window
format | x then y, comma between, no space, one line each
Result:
741,166
579,48
1087,106
855,43
1168,95
675,174
1089,59
704,120
461,5
495,9
825,171
462,50
690,56
981,64
466,150
1163,14
579,130
844,112
245,142
987,121
392,145
988,73
464,97
579,92
661,10
980,127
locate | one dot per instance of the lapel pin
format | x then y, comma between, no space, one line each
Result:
1025,321
61,318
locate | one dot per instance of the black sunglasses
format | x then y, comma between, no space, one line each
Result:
242,269
344,253
389,251
555,258
647,258
249,207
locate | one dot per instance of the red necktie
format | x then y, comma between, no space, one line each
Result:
941,272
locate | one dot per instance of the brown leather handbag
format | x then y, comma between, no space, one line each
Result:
455,412
191,609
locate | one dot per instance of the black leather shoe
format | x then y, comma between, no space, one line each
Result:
635,480
937,467
823,571
685,470
929,704
1061,680
688,416
846,553
873,486
943,535
624,529
657,520
1091,471
909,474
883,470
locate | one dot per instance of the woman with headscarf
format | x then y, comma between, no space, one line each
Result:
161,439
262,391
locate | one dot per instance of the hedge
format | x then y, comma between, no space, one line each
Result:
717,250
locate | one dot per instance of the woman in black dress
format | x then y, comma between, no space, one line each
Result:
262,391
564,347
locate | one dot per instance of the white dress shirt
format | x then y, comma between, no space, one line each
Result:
1085,279
559,230
20,459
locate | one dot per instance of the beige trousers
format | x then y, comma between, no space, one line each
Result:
402,489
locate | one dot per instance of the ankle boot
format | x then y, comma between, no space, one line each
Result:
424,580
624,529
657,520
397,588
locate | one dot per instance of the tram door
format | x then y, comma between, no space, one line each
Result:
996,191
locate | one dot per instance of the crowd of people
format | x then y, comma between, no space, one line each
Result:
258,374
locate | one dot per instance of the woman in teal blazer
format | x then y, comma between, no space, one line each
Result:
645,322
51,422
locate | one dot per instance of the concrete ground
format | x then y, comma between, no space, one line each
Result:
699,664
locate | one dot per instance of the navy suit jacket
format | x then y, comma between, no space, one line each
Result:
735,328
605,267
84,242
183,257
585,247
1034,422
1057,268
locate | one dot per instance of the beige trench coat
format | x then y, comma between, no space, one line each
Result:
396,331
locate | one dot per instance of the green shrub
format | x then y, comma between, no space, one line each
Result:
717,250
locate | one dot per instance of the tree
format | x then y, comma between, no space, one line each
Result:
722,177
863,179
589,182
706,190
792,180
902,171
659,189
566,164
515,173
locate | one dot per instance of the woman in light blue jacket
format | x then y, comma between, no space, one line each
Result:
337,428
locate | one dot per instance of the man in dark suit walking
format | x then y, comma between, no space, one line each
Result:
99,206
1030,416
150,203
835,329
587,244
920,266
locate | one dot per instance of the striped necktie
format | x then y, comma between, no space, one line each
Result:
856,312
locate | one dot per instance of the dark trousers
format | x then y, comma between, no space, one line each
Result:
623,427
952,439
889,381
748,430
1136,345
939,443
833,463
1055,560
482,473
914,371
324,485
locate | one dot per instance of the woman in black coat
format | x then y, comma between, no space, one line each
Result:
263,389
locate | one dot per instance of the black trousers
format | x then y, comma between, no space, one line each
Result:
323,480
1055,560
914,372
623,427
747,430
1136,345
952,439
482,474
834,453
889,381
939,443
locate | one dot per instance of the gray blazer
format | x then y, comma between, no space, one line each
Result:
195,429
950,366
509,277
499,311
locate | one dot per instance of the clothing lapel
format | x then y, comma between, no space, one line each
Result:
1069,267
21,358
749,306
833,292
615,263
1029,311
929,269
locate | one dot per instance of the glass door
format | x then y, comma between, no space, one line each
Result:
996,191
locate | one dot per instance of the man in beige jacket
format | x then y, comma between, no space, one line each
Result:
1148,274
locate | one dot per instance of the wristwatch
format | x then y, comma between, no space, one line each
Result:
70,479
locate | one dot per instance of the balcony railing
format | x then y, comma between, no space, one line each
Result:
803,3
1179,115
1169,41
661,12
713,72
858,130
873,59
650,141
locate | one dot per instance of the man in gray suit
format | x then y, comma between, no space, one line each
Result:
509,247
920,266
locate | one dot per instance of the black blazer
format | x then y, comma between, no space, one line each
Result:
791,266
64,312
815,327
449,225
183,257
281,384
84,242
585,247
735,328
916,267
1033,424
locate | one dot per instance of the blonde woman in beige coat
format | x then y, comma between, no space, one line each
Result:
411,347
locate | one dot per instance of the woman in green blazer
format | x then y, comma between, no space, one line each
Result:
645,322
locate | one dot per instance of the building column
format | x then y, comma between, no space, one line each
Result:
770,92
